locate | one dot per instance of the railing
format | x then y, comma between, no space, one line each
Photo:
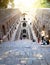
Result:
39,34
33,36
7,36
18,32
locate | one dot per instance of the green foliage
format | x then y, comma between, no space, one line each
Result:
38,3
4,3
45,4
48,0
11,1
42,4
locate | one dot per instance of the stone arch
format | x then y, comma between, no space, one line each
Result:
3,28
24,24
24,31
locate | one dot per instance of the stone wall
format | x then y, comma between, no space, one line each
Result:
42,21
9,19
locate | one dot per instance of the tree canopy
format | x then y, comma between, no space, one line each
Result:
42,4
4,3
38,4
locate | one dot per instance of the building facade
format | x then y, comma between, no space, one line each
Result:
9,18
42,22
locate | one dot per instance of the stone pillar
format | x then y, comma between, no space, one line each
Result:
49,33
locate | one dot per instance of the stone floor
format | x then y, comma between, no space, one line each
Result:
24,52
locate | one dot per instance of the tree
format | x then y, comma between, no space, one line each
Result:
45,4
12,3
4,3
42,4
48,0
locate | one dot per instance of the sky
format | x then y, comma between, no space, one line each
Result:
28,6
24,5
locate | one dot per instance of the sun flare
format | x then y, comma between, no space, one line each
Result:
24,5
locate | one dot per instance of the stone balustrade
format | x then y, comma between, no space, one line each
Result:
8,24
41,19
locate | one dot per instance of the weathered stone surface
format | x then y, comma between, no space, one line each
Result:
24,52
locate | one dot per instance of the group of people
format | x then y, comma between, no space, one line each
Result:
44,41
